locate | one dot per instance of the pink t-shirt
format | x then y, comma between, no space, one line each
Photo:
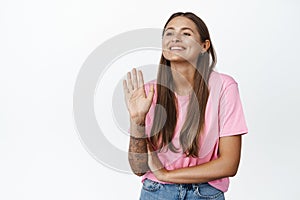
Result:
223,117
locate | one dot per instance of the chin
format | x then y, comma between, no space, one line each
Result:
177,59
173,57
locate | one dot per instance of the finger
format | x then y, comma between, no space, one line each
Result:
151,93
126,92
125,88
130,87
149,147
141,79
134,79
149,151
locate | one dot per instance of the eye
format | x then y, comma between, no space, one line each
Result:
168,34
186,34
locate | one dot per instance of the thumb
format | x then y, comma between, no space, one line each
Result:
151,93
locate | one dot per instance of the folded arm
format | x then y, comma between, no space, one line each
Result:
226,165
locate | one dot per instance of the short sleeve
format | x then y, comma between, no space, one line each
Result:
231,116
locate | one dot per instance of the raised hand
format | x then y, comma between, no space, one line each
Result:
138,104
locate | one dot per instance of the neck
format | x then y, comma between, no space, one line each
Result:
183,77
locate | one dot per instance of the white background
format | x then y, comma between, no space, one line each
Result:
44,43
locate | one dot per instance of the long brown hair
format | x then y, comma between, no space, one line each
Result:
164,122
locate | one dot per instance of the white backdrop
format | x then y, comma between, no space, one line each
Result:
43,45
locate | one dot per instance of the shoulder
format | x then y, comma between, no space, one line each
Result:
148,84
222,79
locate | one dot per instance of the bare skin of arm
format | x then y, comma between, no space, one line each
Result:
138,105
137,152
226,165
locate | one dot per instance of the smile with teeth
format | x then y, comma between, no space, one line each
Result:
177,48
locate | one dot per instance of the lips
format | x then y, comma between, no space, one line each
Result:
177,48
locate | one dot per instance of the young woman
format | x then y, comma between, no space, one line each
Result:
186,125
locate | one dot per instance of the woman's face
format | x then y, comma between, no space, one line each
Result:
181,41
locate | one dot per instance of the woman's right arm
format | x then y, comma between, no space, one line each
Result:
138,105
137,152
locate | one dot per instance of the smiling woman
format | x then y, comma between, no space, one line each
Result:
190,148
181,40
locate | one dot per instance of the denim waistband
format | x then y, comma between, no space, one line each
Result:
154,190
188,186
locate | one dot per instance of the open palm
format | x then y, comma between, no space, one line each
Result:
138,104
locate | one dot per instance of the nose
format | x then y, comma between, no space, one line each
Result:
176,38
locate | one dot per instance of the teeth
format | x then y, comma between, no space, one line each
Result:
176,48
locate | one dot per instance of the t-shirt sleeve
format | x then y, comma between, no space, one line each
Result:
231,116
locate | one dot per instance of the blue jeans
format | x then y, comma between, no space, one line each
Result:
152,190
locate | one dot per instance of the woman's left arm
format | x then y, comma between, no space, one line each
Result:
226,165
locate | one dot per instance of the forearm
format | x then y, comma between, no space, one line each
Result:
137,154
226,165
212,170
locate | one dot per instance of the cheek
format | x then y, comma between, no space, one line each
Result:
196,48
164,43
165,50
166,54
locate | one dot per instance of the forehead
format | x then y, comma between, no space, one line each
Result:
181,22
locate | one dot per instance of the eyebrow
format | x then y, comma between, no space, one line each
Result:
183,28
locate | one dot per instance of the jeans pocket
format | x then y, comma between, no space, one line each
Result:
206,191
151,186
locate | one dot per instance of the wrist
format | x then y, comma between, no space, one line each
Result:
137,131
137,137
138,121
163,175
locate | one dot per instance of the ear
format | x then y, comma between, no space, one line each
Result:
206,45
